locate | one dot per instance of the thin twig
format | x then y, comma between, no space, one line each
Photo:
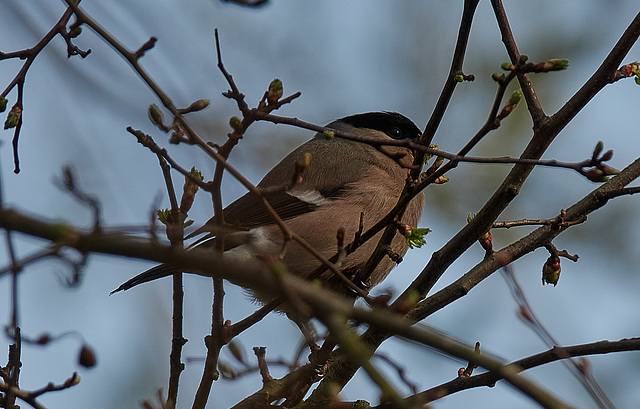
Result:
538,222
456,68
576,367
29,55
174,233
252,319
552,355
542,137
538,238
535,109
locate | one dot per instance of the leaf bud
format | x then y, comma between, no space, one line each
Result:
236,350
556,64
198,105
607,155
13,118
74,32
551,271
597,150
87,357
155,115
441,180
507,66
275,91
515,97
235,123
596,175
189,189
486,241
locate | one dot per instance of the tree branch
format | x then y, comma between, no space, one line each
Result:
552,355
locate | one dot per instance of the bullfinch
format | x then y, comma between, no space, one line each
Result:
345,184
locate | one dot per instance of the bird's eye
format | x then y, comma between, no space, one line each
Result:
395,133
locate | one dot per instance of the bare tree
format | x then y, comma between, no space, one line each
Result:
353,334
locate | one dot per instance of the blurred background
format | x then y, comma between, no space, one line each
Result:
345,58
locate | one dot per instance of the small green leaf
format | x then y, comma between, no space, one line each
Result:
163,215
415,237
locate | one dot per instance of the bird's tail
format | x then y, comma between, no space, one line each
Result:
162,270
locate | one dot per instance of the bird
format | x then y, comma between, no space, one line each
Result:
347,185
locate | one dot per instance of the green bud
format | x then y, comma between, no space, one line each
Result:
637,79
75,32
72,381
496,77
486,241
428,156
441,179
189,190
3,104
275,91
236,350
596,151
198,105
235,123
305,161
556,64
630,69
459,78
507,66
551,271
226,371
515,97
438,162
596,175
155,115
13,117
328,134
413,297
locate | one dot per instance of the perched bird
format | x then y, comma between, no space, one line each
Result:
345,181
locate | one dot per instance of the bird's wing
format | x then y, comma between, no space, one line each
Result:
248,211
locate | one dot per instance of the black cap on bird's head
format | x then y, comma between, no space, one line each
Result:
393,124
